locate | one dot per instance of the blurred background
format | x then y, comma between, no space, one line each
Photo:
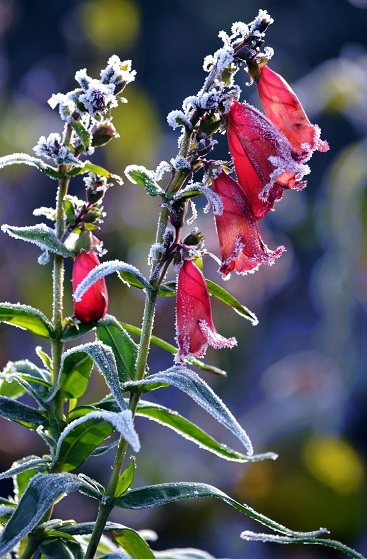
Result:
297,381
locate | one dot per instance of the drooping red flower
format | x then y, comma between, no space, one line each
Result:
194,322
93,304
241,246
264,160
282,106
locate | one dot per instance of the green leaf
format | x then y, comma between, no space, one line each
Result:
130,277
34,380
138,174
155,495
24,464
105,269
184,427
125,479
172,349
125,350
88,167
227,298
167,289
21,413
190,383
23,158
81,438
81,132
134,544
75,330
45,358
42,491
40,235
57,548
27,318
85,528
75,372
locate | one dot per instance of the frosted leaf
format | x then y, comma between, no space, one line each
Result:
82,78
209,61
190,103
183,553
105,269
162,168
117,72
223,59
122,422
213,200
177,118
40,235
261,16
190,383
156,251
275,538
50,213
225,38
210,100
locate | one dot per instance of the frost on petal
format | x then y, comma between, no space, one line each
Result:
282,106
264,160
194,322
241,246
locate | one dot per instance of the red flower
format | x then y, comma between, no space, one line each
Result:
194,323
264,160
282,106
241,246
93,304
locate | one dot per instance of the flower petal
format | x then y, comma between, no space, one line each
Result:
264,160
282,106
93,304
241,246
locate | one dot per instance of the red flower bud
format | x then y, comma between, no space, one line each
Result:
241,246
282,106
264,160
93,304
194,322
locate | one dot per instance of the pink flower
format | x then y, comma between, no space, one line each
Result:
194,323
93,304
241,246
282,106
264,160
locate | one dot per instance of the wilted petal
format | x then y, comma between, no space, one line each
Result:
241,246
93,304
264,160
194,322
282,106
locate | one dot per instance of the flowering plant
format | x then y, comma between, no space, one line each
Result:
268,156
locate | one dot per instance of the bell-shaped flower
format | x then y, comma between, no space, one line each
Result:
195,330
282,106
241,246
264,160
93,304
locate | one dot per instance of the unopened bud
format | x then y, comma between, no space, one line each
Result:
102,134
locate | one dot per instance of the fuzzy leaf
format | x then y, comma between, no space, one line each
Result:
41,493
105,269
134,544
24,158
227,298
190,383
40,235
81,132
86,433
111,333
27,463
75,373
104,359
125,479
88,167
73,331
21,413
138,174
27,318
155,495
184,427
183,553
32,379
57,548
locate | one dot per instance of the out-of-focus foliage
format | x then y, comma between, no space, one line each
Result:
298,379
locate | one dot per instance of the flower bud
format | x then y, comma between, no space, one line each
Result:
102,134
93,305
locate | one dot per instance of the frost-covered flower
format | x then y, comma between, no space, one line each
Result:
118,73
264,160
93,304
194,323
98,97
282,106
241,246
52,148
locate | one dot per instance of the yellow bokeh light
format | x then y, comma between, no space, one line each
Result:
111,24
335,463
